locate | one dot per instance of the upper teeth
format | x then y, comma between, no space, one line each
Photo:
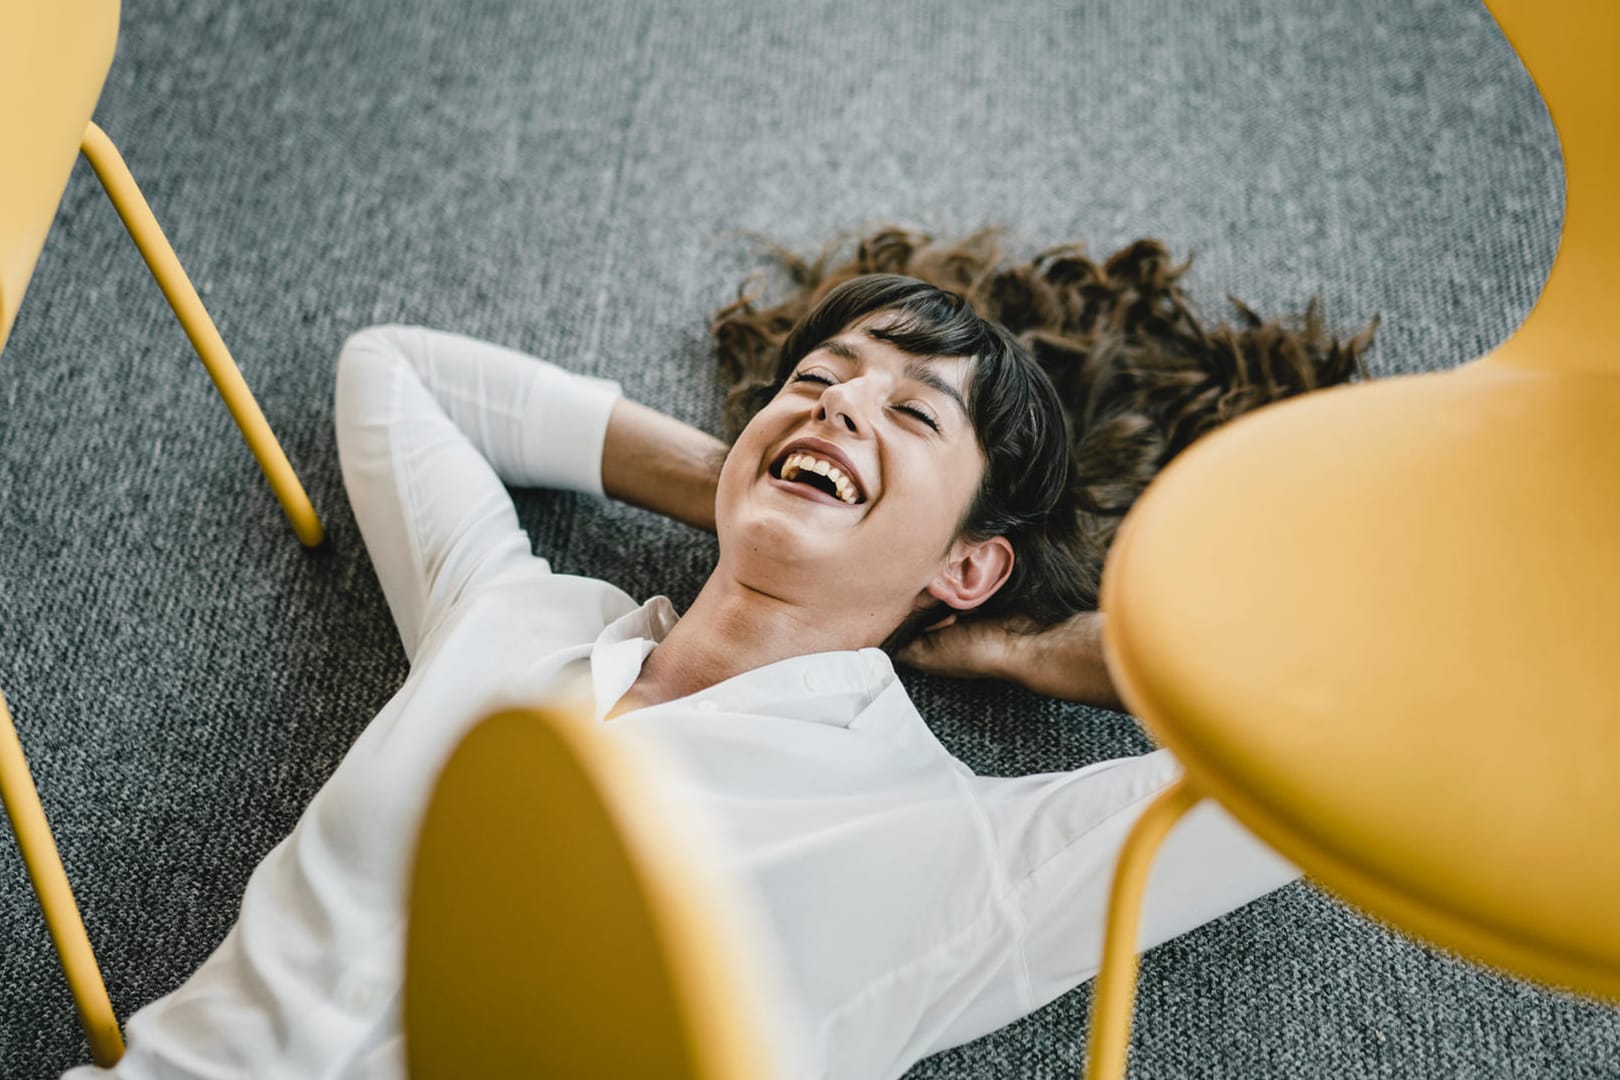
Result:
800,462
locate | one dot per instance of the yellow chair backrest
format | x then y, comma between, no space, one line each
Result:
1572,50
567,918
54,57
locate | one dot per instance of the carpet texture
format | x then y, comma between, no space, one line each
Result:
574,180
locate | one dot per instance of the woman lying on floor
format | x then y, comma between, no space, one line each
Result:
905,464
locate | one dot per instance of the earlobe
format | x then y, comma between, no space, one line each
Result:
973,573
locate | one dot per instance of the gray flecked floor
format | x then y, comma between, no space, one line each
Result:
569,179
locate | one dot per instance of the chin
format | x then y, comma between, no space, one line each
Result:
779,539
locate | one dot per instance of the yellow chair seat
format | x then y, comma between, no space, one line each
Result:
1262,593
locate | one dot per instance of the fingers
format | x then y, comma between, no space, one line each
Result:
925,653
960,651
914,655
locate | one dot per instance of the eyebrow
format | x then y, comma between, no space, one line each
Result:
916,369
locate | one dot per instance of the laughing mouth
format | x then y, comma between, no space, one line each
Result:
806,468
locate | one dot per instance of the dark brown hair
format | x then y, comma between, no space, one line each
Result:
1139,372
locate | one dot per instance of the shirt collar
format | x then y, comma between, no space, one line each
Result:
826,687
618,651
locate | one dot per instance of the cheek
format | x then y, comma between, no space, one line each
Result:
926,505
768,425
921,530
741,470
734,475
732,467
952,478
746,457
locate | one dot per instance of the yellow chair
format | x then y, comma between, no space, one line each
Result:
1379,623
62,919
568,919
54,58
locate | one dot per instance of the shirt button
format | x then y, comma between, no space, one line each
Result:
706,706
812,681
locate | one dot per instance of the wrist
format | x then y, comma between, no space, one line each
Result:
1068,662
1023,657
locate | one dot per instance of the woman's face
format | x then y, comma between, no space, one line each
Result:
844,493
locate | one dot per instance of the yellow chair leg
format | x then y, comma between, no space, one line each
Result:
56,898
1115,988
154,247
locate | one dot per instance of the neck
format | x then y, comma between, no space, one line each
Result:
732,628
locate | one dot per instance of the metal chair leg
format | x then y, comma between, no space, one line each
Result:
50,882
1115,987
160,258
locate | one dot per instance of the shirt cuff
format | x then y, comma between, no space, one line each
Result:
564,429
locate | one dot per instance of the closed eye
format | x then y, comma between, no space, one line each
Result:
912,410
823,380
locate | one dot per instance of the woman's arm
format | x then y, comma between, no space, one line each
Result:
430,427
658,463
1065,661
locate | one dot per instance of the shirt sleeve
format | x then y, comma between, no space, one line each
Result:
1062,834
431,426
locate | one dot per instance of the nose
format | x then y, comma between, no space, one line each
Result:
841,404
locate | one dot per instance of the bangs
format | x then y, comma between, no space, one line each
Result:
928,321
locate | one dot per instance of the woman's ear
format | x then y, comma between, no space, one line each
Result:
972,572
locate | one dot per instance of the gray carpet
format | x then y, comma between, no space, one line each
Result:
569,179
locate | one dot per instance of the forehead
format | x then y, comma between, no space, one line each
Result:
859,344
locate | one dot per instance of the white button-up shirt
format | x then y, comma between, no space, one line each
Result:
912,905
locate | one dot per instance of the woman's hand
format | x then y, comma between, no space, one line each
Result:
1063,661
981,649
